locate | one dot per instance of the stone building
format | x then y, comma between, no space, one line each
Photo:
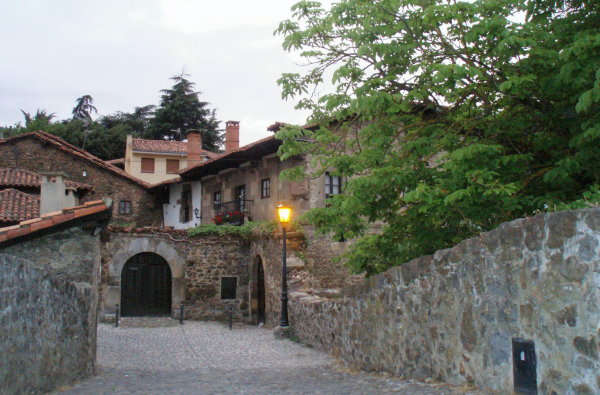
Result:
40,151
49,275
210,275
245,180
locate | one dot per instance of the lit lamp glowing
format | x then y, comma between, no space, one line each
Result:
285,213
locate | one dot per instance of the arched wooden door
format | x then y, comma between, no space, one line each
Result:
260,292
146,286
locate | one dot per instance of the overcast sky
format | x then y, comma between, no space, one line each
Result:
122,53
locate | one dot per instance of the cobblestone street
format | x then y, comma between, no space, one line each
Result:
163,357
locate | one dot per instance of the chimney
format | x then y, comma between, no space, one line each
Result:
53,194
194,147
232,136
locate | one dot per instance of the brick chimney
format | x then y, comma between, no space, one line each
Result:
194,147
54,195
232,136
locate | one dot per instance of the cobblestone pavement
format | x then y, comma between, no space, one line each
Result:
207,358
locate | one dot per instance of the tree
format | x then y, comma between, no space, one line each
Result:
84,108
136,123
446,117
39,121
180,110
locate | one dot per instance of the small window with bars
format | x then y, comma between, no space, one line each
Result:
228,287
265,188
125,207
147,165
333,185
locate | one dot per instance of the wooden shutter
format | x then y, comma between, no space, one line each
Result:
147,165
172,166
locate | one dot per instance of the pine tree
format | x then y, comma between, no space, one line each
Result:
180,110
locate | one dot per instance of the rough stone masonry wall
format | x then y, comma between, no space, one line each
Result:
48,301
197,265
452,316
311,265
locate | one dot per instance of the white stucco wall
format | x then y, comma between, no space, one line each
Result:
171,209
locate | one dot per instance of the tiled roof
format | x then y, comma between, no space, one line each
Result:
18,206
51,219
116,161
233,158
76,151
166,147
13,177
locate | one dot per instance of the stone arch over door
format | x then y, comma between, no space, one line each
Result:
257,289
128,247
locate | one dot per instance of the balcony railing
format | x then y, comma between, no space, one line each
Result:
232,213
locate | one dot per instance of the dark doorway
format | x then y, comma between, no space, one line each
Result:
146,286
524,366
260,291
240,198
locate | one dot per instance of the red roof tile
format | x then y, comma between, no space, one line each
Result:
76,151
116,161
227,154
18,206
13,177
166,147
51,219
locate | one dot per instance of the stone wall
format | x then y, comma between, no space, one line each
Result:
32,154
452,316
312,264
197,265
48,307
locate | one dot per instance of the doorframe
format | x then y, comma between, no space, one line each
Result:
253,288
161,262
132,245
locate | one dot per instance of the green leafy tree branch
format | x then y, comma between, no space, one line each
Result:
446,117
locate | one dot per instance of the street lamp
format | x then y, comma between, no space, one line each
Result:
285,213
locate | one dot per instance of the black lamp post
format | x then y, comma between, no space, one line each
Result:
284,212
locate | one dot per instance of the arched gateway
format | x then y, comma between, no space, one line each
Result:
146,285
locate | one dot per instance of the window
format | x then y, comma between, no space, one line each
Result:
228,287
265,188
125,207
185,213
147,165
172,166
240,198
217,199
333,185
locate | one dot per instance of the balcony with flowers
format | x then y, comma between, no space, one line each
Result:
232,213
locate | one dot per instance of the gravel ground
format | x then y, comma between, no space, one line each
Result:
158,356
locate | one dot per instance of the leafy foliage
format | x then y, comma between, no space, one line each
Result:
180,110
106,136
248,231
447,117
84,108
244,231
